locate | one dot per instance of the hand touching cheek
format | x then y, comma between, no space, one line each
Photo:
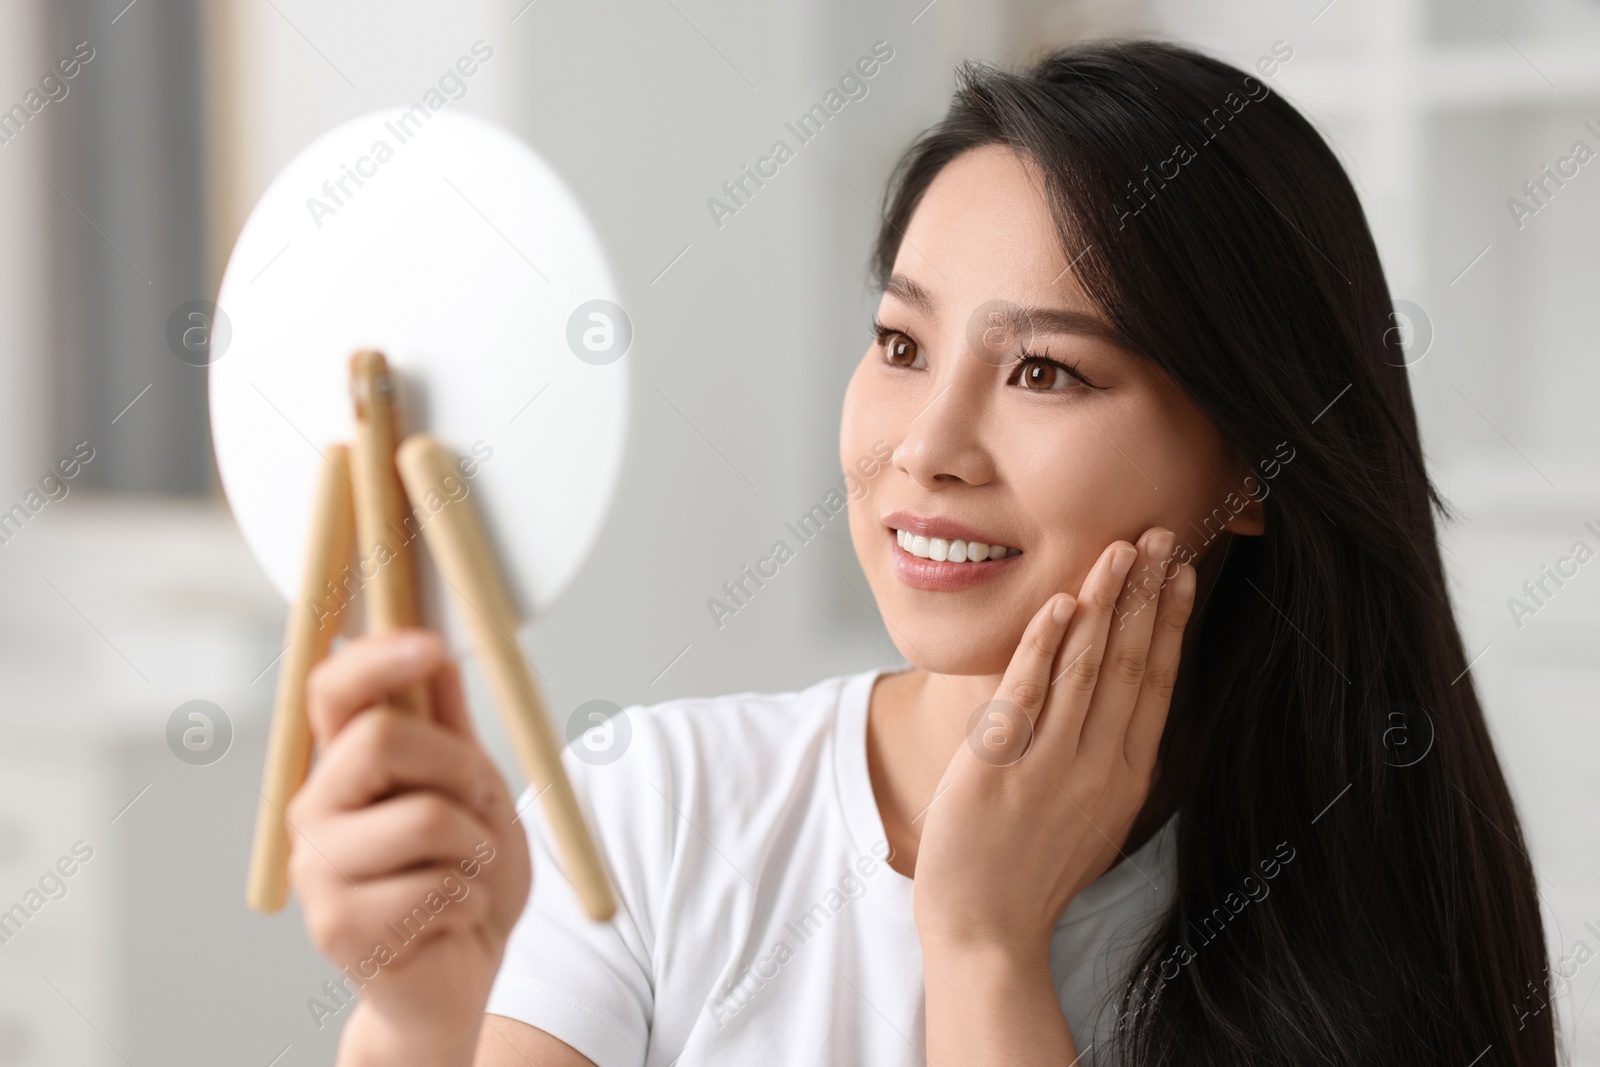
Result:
1039,802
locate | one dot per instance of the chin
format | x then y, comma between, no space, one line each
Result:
950,650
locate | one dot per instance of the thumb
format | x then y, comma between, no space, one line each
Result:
365,672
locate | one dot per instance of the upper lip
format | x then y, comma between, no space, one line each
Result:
948,529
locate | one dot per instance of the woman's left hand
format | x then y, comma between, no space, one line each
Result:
1040,800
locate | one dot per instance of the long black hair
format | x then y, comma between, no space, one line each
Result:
1334,745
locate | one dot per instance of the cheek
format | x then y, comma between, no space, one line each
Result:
1089,474
872,423
863,422
855,435
1100,472
1134,464
1190,461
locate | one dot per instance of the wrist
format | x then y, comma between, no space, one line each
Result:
990,1001
985,960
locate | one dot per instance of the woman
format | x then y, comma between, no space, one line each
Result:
1132,403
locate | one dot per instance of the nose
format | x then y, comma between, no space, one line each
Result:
943,442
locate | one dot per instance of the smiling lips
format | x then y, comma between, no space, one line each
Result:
941,550
943,555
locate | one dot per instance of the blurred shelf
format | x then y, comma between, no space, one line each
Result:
119,605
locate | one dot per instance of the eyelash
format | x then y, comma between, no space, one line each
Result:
882,334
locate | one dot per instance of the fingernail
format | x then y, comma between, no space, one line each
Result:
1122,561
1062,610
1161,544
1184,590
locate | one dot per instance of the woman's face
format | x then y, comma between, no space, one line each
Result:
989,441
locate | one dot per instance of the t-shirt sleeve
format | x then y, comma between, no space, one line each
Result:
592,984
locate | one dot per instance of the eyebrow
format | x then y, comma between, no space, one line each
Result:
1033,319
904,289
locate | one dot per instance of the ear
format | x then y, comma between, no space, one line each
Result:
1251,520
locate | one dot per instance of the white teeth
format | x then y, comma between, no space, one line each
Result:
955,551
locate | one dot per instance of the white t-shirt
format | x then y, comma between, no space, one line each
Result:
757,923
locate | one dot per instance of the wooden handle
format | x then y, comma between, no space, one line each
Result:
461,550
385,526
313,621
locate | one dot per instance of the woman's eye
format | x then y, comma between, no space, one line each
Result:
902,351
1044,375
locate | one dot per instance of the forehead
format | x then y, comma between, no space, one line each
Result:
983,231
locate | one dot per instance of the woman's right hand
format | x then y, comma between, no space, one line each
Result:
406,859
